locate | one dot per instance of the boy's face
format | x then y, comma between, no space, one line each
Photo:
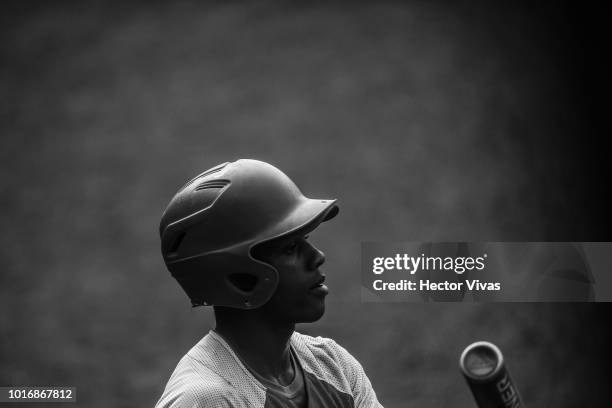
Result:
300,295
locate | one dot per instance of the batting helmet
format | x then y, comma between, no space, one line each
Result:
213,223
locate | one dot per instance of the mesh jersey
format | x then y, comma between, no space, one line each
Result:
211,375
291,395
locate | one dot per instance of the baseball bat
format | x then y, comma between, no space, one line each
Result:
484,369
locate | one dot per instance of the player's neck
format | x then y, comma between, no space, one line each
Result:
262,345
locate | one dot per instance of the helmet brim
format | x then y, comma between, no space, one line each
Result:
307,216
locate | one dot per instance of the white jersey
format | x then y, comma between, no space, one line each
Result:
211,375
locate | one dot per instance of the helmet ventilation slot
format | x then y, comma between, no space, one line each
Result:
220,183
213,170
207,173
175,245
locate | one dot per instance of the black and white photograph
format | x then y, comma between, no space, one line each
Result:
291,204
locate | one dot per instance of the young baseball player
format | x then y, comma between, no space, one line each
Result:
236,238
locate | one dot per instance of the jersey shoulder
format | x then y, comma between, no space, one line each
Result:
322,348
327,360
193,385
210,376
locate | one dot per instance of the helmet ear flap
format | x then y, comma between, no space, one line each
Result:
245,282
219,279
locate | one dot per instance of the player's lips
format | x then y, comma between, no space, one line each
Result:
319,288
319,282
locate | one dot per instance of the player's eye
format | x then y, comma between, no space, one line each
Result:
290,248
293,246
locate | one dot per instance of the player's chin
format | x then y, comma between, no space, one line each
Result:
312,313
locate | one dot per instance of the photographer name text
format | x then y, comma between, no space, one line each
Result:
422,263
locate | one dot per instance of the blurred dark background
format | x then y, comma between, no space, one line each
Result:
429,121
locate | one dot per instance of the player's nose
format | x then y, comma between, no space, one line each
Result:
317,258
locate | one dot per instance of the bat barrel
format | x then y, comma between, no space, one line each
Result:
483,366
